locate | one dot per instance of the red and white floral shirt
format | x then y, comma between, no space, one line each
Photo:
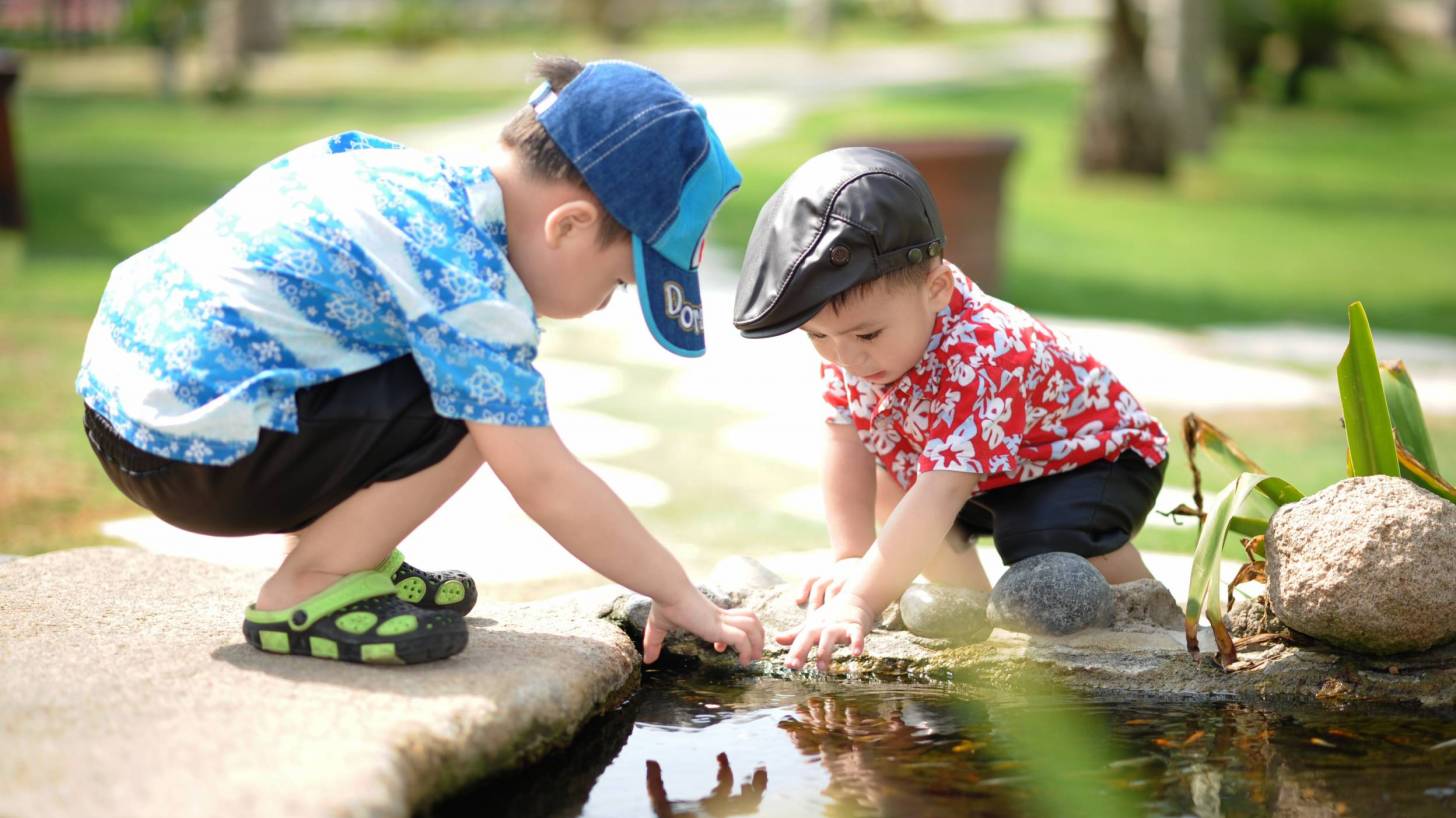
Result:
999,394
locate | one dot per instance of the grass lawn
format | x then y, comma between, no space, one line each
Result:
1353,197
1297,212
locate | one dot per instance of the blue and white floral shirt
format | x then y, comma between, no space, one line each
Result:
339,256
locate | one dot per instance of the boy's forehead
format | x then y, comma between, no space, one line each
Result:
871,307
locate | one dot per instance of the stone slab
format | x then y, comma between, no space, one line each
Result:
128,690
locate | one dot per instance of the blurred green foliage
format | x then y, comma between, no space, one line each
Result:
1291,38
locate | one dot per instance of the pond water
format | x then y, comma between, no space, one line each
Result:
685,746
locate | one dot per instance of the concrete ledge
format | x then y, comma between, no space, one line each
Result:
129,691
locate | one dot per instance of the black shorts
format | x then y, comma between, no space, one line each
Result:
360,429
1091,510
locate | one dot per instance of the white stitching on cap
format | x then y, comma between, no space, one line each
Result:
644,126
644,112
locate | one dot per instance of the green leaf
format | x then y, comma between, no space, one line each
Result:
1203,595
1248,526
1417,473
1406,415
1367,419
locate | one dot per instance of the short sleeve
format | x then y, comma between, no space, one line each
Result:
835,394
979,415
472,377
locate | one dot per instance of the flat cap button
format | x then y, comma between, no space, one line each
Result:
915,256
839,255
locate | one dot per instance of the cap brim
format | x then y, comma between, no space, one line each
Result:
671,301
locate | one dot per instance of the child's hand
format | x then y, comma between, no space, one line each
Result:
846,620
818,590
738,627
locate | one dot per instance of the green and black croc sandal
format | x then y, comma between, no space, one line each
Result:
434,590
358,619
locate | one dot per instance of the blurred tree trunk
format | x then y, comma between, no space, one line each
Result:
265,26
1180,52
227,68
1034,10
812,20
616,21
1124,126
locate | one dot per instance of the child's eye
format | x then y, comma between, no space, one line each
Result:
870,336
815,335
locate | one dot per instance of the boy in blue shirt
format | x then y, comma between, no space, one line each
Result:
333,348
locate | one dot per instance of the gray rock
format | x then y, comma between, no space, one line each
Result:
1251,617
1368,564
1142,661
891,618
630,611
1145,603
741,573
946,612
133,694
1053,595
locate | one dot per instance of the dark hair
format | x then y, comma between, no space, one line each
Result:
913,274
528,139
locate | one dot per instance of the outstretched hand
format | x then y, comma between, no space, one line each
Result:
817,591
736,627
844,620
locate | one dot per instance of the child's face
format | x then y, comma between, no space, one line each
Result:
564,266
882,334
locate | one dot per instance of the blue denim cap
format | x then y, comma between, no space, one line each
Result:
650,156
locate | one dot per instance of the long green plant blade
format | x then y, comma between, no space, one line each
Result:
1406,415
1247,526
1203,595
1417,473
1367,419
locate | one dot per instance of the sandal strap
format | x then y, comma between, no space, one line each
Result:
353,588
391,563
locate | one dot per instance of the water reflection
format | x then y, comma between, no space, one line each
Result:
721,801
685,747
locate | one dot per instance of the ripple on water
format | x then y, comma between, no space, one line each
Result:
771,747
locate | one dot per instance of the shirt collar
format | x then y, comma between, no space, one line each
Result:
487,206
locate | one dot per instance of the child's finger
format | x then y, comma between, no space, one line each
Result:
651,642
787,637
827,642
800,650
856,639
805,589
747,621
739,640
816,597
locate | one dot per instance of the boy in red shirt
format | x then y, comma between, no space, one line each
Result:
980,419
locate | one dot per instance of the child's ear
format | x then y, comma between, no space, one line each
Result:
576,218
940,284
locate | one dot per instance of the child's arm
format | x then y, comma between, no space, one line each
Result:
915,529
849,510
584,515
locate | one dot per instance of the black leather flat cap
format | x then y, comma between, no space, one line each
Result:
843,218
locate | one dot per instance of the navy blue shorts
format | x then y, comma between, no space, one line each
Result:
371,426
1090,511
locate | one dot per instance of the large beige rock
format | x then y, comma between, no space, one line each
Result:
1368,564
128,690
